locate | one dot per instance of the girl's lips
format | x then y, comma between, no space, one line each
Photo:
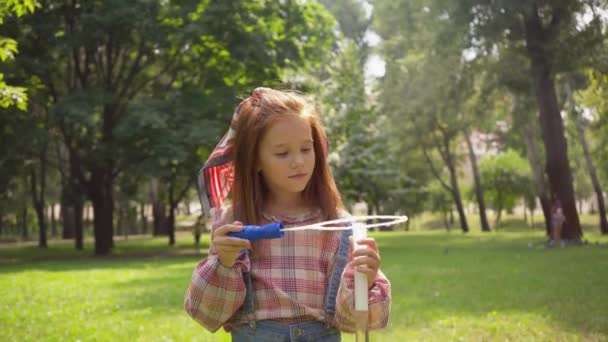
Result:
299,175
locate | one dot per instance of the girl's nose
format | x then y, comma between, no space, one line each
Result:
297,160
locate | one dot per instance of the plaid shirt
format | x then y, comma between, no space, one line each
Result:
290,277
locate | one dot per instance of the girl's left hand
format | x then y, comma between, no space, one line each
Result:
366,260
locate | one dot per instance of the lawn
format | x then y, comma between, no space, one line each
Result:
446,287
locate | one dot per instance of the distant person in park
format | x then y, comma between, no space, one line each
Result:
557,221
300,286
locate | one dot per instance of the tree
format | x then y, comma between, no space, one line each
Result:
99,61
426,86
594,97
514,82
507,176
477,107
554,43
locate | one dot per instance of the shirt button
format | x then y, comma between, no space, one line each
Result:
299,332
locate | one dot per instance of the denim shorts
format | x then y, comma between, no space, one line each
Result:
280,332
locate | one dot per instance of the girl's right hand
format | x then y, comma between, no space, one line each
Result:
228,247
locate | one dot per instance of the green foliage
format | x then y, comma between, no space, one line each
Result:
12,95
439,199
507,177
595,99
147,88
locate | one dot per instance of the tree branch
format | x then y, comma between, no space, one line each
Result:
434,171
135,68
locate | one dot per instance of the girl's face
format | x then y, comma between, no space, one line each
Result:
286,155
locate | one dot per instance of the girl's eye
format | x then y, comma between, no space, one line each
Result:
306,150
282,154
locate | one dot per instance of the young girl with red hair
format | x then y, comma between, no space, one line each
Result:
298,287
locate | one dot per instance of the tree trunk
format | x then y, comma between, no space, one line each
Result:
498,216
159,217
451,216
68,221
456,191
123,223
448,158
478,186
38,200
171,225
1,222
103,210
580,125
78,223
539,176
158,210
174,199
53,220
540,183
144,219
24,230
532,217
119,220
173,202
42,236
72,206
551,123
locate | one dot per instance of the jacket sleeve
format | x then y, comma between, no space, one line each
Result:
216,292
379,296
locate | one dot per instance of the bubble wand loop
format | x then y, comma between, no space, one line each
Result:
276,230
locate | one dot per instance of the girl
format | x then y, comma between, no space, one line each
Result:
298,287
557,220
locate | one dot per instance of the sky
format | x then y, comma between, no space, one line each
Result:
374,67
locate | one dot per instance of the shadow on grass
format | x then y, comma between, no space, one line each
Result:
99,263
31,256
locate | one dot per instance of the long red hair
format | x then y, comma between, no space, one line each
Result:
256,114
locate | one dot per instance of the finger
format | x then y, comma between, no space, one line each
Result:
232,251
354,243
232,241
365,270
366,252
369,273
223,230
366,261
368,242
225,242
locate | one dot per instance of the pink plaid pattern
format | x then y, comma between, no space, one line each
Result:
290,277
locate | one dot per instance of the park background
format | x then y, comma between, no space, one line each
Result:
470,117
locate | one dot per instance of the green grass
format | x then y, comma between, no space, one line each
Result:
445,287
